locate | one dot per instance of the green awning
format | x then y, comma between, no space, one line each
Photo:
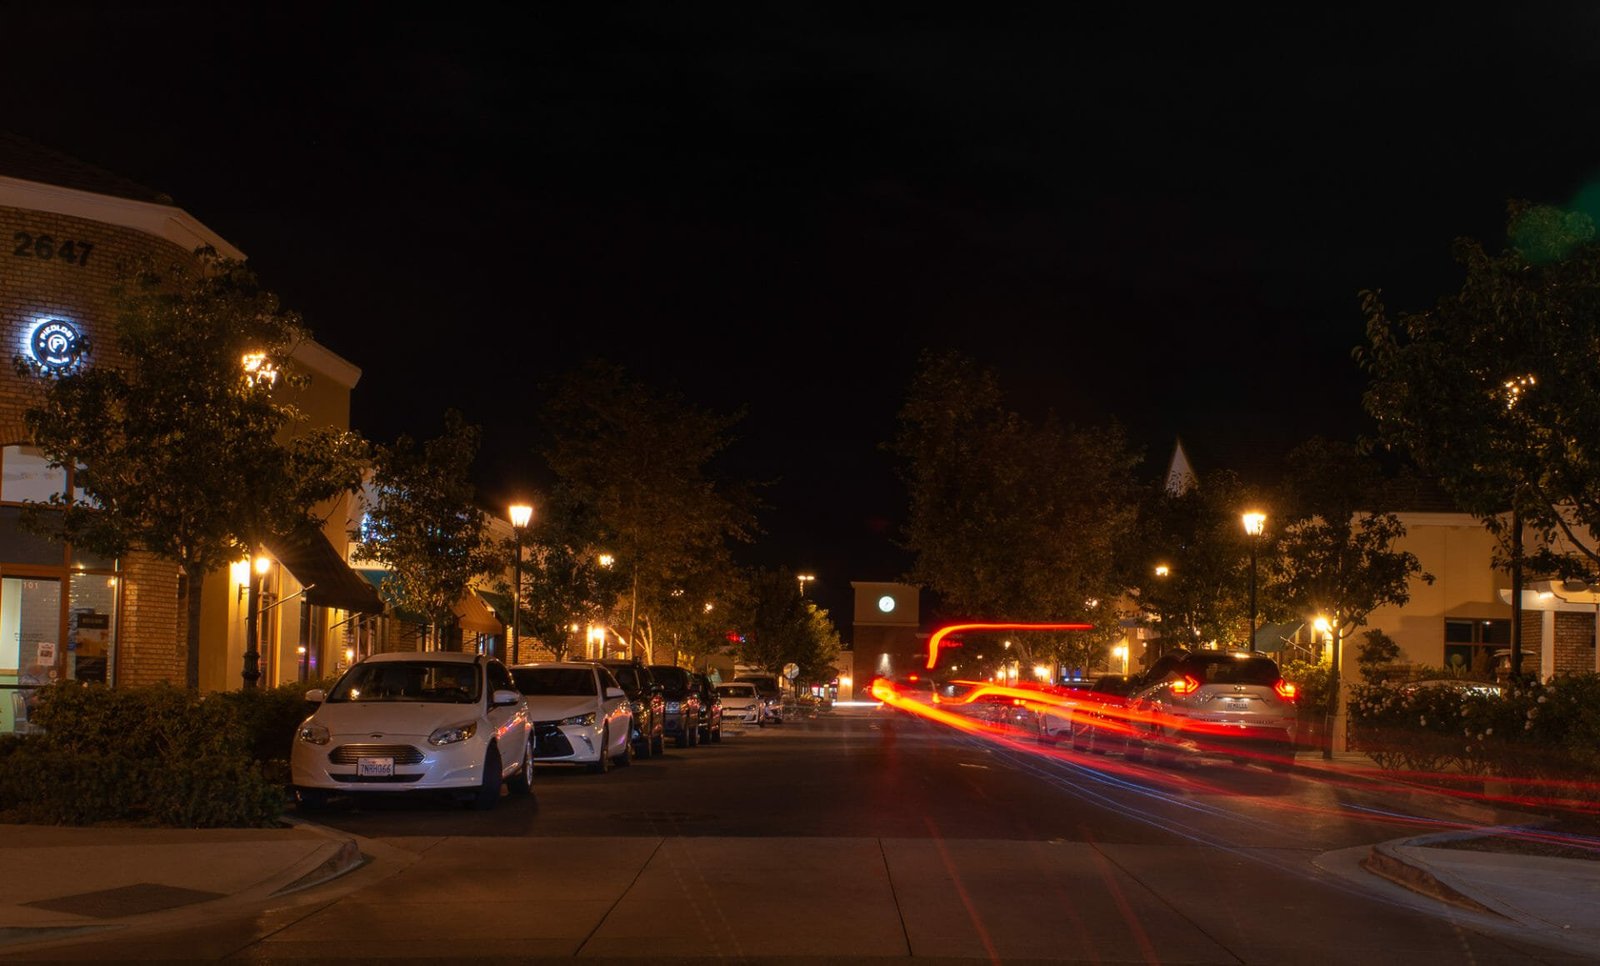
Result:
376,578
501,605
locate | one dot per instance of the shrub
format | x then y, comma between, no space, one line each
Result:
147,754
1374,654
1313,684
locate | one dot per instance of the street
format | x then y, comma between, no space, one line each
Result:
858,836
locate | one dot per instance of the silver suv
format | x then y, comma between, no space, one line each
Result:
1231,704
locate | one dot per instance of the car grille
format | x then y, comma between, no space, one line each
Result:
375,779
348,754
549,742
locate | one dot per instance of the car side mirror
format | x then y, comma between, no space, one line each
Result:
316,695
615,693
506,696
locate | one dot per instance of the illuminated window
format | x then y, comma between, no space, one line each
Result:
26,476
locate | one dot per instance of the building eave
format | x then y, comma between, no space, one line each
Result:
163,221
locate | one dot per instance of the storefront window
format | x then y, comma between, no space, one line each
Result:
26,476
30,645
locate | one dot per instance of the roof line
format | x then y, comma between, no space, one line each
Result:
163,221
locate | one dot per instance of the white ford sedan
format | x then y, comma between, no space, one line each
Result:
580,714
433,721
742,703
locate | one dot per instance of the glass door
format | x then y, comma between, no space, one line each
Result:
31,652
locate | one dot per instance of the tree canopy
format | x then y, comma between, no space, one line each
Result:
185,444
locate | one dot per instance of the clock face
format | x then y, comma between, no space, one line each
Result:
886,603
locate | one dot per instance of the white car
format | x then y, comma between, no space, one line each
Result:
580,714
742,703
433,721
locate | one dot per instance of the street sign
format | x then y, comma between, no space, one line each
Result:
791,670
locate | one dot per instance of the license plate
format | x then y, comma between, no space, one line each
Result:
375,767
1238,702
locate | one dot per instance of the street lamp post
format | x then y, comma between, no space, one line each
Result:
252,624
804,579
521,514
1329,629
1254,523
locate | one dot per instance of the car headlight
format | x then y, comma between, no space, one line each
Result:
312,733
587,720
453,733
672,705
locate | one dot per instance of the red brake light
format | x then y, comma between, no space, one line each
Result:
1285,690
1186,686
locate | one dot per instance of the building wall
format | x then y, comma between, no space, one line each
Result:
1458,552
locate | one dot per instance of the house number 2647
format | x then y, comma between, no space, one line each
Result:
29,245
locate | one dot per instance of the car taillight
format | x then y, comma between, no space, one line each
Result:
1187,685
1285,690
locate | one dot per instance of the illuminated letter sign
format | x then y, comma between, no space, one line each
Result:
55,344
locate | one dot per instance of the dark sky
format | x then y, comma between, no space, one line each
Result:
1158,215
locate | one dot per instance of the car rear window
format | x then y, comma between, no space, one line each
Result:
672,678
630,679
1226,669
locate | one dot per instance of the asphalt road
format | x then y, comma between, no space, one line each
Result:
854,838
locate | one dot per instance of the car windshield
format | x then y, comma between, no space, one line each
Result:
631,680
736,690
573,681
672,678
1227,669
451,682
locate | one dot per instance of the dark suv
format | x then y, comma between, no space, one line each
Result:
1232,704
649,708
710,709
682,698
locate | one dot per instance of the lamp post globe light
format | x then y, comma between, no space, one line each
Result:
521,515
804,579
1254,523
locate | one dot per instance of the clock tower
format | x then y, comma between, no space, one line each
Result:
885,633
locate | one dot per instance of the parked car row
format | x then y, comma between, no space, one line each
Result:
465,724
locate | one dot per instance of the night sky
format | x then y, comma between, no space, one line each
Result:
1162,216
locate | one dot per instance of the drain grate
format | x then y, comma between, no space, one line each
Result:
130,900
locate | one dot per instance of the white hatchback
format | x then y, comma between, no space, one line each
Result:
433,721
742,703
580,713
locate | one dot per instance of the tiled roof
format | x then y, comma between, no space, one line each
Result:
25,159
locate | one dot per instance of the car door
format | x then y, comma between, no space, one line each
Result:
615,708
512,727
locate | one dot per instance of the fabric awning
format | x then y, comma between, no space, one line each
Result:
501,605
473,613
329,581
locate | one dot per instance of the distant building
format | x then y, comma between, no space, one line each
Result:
886,635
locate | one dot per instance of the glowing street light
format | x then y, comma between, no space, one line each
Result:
804,579
1254,523
521,515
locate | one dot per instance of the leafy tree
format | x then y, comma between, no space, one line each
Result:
423,525
564,583
1374,654
1336,556
1012,520
783,627
640,463
1493,391
179,450
1197,536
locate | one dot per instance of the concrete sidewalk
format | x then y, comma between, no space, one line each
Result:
67,882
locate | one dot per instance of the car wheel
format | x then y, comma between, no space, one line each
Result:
602,764
488,794
644,744
627,755
522,782
694,735
658,744
1283,760
716,734
312,799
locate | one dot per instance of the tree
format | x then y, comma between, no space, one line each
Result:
1493,391
1336,556
1012,520
783,627
177,447
1197,536
424,527
564,583
641,463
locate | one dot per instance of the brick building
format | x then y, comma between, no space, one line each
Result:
70,230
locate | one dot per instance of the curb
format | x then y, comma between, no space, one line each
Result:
1383,862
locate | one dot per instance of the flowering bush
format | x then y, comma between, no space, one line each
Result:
1545,734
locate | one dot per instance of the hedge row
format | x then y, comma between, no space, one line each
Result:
157,755
1546,735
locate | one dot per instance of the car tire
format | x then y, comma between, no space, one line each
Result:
521,783
488,794
1283,760
312,799
602,764
627,755
716,735
658,744
694,735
